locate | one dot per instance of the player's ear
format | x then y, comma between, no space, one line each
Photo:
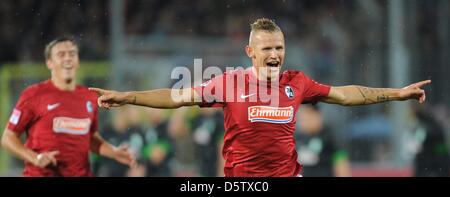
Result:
49,63
249,51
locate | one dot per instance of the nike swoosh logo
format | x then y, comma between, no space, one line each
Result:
52,106
246,96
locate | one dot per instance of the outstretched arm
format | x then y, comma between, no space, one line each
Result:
360,95
159,98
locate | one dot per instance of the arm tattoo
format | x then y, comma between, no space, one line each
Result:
373,95
362,94
382,98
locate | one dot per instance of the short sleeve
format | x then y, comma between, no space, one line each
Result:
23,113
94,125
314,91
212,92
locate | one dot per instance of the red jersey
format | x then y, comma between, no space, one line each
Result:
57,120
259,136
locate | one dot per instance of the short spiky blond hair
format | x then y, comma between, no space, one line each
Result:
264,24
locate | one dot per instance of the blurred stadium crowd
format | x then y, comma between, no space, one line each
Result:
327,35
28,25
178,143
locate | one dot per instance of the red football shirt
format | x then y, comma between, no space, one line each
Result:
259,137
57,120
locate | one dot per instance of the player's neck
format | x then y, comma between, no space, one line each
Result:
255,73
64,85
259,76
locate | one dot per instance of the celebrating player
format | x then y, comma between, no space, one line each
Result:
60,120
258,134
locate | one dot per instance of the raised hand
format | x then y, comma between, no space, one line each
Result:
414,91
109,98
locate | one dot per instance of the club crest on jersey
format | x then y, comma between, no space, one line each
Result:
89,107
289,92
270,114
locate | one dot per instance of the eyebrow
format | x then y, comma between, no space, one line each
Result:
269,47
61,51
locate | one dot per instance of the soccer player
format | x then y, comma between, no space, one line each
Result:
60,120
259,137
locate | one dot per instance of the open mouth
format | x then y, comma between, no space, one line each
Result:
273,64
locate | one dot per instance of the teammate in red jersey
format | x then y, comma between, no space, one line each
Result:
259,137
60,120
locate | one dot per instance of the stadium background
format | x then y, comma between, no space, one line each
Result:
135,44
